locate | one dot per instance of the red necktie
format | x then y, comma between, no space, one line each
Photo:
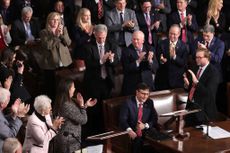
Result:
100,8
140,114
148,21
183,35
207,44
191,93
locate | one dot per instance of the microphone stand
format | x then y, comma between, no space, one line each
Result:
76,138
206,118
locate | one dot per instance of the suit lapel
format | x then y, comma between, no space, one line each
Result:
95,51
134,107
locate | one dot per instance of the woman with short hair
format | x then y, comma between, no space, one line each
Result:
40,129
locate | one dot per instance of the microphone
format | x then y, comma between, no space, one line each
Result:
66,134
205,116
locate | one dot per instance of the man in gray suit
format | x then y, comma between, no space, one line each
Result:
10,124
121,23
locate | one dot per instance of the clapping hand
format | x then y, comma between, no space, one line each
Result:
150,56
90,102
58,122
80,100
111,56
163,59
194,78
19,109
172,51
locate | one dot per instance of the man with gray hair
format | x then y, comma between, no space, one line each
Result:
25,30
100,60
10,124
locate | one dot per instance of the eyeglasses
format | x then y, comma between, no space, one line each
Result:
199,57
143,93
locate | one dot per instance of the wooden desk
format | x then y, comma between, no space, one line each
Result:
197,143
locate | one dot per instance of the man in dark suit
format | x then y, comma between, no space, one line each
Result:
100,60
139,64
212,43
172,55
137,115
149,22
202,84
186,19
26,30
97,14
7,12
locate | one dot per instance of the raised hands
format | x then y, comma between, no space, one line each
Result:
163,60
90,102
58,121
19,109
108,56
150,56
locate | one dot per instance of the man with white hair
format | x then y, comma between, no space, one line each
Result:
10,124
139,64
12,145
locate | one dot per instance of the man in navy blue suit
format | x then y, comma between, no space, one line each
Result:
132,122
149,22
212,43
186,19
172,55
139,64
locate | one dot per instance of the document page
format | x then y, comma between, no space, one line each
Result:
216,132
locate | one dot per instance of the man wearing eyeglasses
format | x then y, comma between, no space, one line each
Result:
202,86
137,115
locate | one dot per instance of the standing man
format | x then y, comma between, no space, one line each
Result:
186,19
137,115
212,43
172,55
202,85
139,64
100,60
121,23
149,23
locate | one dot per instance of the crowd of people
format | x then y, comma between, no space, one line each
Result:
162,44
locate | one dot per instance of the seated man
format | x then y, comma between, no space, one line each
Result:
137,115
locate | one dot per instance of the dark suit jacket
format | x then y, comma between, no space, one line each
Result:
92,75
133,74
18,32
9,16
205,95
170,74
93,7
144,28
174,18
129,114
81,39
217,51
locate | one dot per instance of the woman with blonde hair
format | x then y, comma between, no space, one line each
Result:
215,16
55,53
82,32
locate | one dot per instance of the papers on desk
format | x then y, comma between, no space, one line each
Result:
216,132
